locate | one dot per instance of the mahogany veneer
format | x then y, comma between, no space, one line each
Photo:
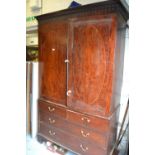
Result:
81,54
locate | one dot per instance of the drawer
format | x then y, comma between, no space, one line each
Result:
52,134
52,120
70,142
86,149
52,109
96,123
83,133
100,139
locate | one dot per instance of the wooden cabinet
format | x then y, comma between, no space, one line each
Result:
81,54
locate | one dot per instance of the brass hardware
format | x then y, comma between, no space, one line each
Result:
66,61
51,121
85,134
84,118
53,49
51,133
69,92
83,149
51,110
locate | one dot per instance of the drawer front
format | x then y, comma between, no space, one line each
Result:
83,148
85,134
81,132
52,134
52,109
52,120
70,142
99,124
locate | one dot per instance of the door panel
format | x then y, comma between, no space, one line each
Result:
91,44
53,52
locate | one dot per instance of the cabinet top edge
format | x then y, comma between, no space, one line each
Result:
109,6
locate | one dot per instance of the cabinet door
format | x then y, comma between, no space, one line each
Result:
91,56
53,52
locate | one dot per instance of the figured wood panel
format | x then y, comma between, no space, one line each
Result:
53,48
91,55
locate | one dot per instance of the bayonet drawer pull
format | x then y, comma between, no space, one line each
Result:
83,149
86,119
51,121
51,109
85,134
51,133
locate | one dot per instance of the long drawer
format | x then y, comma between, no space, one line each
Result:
69,141
52,109
92,122
96,123
85,134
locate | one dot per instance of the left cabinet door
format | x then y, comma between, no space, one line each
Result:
52,55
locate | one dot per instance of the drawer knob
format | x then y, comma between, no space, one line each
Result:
51,133
51,121
85,119
85,134
51,109
83,148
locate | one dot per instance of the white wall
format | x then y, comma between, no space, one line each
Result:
126,80
51,6
34,105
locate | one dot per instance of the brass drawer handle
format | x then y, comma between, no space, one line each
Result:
85,134
84,118
51,109
51,133
51,121
83,149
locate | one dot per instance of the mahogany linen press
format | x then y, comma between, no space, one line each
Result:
81,54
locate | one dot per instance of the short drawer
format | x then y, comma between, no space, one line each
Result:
52,109
96,123
70,142
52,120
51,133
99,139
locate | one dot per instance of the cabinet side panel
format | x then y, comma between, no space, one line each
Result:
118,68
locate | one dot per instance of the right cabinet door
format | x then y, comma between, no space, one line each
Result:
91,58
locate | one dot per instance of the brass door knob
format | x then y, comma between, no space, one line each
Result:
69,92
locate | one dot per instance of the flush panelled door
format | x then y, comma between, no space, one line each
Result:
53,49
80,75
91,54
